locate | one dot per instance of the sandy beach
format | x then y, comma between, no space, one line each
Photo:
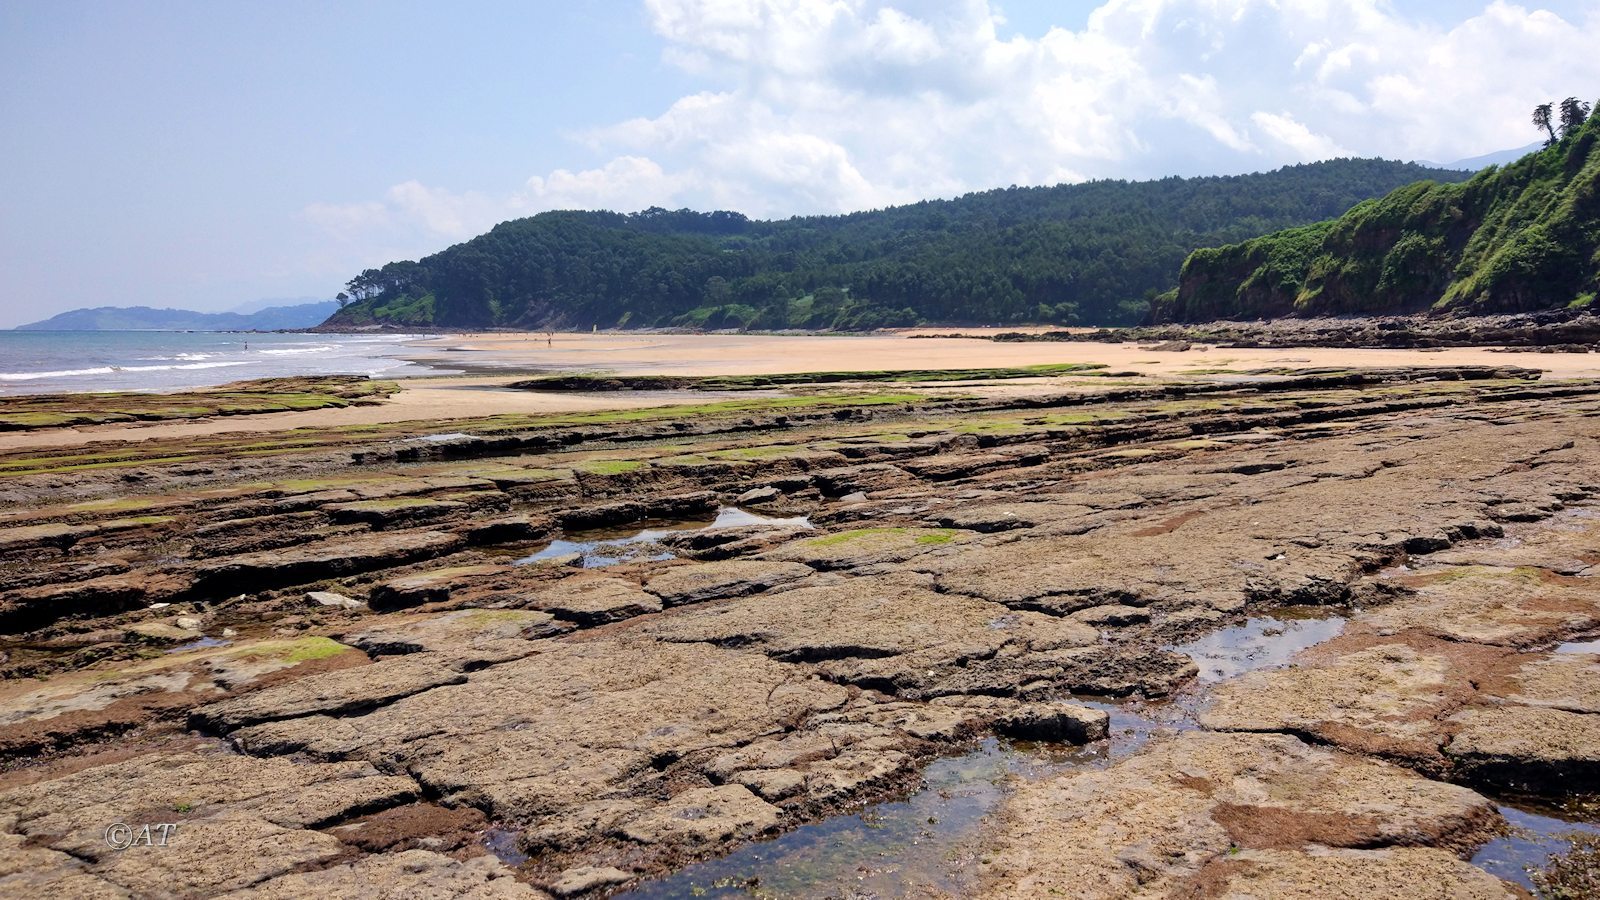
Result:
497,359
739,354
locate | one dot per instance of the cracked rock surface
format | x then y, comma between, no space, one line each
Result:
919,574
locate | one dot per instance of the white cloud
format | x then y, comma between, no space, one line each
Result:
833,105
1297,137
626,182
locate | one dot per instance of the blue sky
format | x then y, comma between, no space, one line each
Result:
209,154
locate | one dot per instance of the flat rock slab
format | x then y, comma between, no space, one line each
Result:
427,587
1388,699
1152,822
877,631
582,879
1569,545
325,559
220,803
1519,607
388,512
345,691
28,871
1004,516
1064,722
859,548
704,816
579,721
1527,748
1569,681
1412,872
413,873
474,635
589,600
718,580
116,696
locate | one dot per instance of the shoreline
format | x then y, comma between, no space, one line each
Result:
483,364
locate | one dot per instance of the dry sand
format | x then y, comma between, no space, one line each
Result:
433,398
736,354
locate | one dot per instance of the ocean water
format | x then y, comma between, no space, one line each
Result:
40,362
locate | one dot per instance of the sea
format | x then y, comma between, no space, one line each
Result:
43,362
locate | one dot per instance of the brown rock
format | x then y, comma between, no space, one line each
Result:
1411,872
1527,748
582,879
731,578
1066,722
590,600
413,873
1154,821
704,816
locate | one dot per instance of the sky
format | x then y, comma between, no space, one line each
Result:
205,155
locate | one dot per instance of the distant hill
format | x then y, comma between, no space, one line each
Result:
1525,236
255,306
144,318
1085,253
1498,158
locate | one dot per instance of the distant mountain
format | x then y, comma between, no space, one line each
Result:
144,318
1078,253
1498,158
1521,237
255,306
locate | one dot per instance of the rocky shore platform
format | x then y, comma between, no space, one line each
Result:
1555,331
1300,634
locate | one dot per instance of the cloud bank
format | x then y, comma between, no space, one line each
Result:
838,105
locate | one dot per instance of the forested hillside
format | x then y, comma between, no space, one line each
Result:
1088,253
1520,237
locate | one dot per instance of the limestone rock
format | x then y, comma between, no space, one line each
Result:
425,587
329,598
589,600
1066,722
730,578
704,816
1386,699
323,559
772,784
759,495
1527,748
344,691
396,876
1354,874
472,635
582,879
1155,820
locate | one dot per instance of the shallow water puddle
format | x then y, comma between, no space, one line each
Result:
1590,646
1534,837
925,845
502,842
199,644
450,437
915,847
1262,642
640,541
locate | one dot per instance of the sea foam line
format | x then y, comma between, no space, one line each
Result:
110,370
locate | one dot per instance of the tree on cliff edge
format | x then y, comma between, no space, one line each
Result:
1542,117
1574,113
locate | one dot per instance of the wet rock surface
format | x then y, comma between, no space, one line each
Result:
502,701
